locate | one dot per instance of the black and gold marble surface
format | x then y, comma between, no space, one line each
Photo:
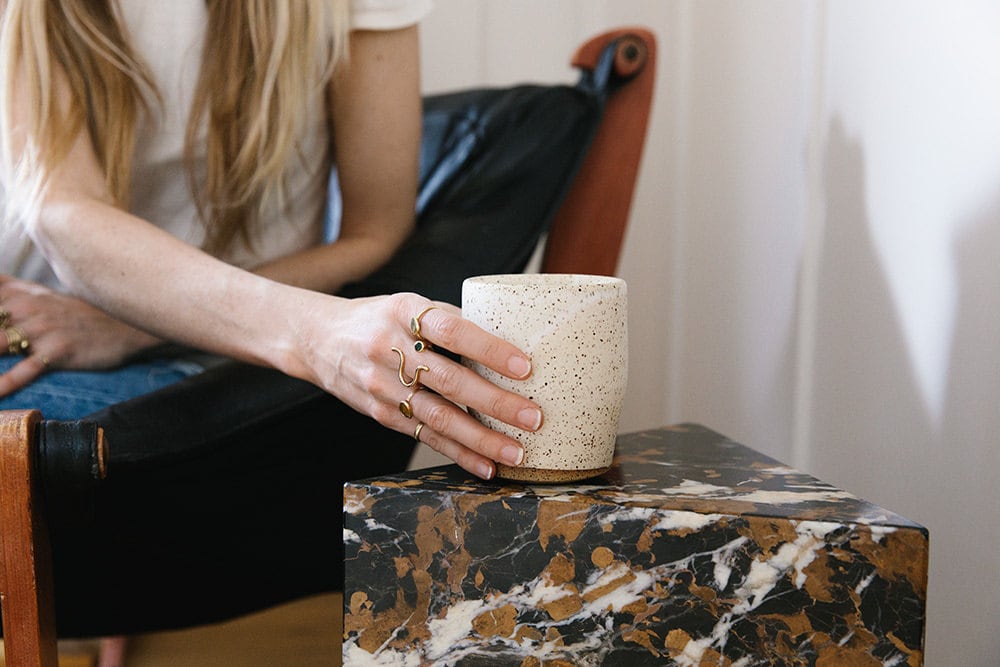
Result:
691,550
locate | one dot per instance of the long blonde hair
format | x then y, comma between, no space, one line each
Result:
264,63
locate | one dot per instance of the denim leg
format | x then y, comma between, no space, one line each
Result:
68,395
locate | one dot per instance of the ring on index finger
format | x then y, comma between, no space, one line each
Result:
415,326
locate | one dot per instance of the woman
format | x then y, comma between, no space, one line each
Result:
164,173
95,233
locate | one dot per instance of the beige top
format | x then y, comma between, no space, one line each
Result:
169,36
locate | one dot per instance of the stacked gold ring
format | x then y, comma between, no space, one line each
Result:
415,322
17,342
404,405
419,345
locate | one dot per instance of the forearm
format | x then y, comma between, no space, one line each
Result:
146,278
329,267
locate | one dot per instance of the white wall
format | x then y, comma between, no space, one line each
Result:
814,254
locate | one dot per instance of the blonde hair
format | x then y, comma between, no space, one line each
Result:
264,62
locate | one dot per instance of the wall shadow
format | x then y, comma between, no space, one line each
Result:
871,432
866,404
969,456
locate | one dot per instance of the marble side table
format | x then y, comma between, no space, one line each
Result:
691,550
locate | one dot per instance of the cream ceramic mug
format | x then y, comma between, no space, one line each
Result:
574,329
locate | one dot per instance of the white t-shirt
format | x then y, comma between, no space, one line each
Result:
168,36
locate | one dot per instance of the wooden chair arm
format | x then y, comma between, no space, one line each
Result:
69,457
25,559
587,234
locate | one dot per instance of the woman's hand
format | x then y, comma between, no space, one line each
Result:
364,371
62,332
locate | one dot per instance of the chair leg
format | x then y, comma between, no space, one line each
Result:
26,598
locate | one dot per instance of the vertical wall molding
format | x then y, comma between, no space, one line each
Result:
815,27
679,98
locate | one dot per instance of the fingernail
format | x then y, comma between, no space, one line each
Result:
530,418
512,455
519,366
485,470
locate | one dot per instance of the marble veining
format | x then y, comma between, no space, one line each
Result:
691,550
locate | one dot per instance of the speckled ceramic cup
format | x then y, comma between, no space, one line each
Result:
574,328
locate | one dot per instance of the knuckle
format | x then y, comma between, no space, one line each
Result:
368,379
60,349
501,405
439,417
432,440
449,331
495,352
375,346
49,321
402,305
487,444
465,459
382,413
448,379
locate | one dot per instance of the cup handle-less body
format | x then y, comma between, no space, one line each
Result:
574,328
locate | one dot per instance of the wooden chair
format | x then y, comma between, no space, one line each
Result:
585,214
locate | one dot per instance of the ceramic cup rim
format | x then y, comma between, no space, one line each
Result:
553,280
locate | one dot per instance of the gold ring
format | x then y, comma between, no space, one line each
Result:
4,317
416,431
415,323
17,342
45,361
404,405
402,376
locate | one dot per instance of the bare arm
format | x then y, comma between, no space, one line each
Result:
375,115
375,109
147,278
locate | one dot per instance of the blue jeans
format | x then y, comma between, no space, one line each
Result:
67,395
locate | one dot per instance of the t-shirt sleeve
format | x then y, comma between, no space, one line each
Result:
388,14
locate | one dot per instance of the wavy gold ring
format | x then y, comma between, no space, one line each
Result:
416,431
402,376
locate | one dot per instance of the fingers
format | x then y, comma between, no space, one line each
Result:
22,373
453,432
468,460
15,340
443,327
444,423
446,427
463,386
